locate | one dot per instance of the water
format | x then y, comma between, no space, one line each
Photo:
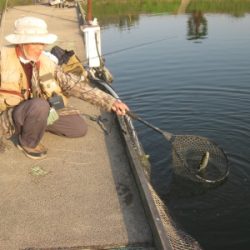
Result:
191,85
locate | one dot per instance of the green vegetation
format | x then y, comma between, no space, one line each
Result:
114,7
11,3
132,7
233,7
2,3
127,11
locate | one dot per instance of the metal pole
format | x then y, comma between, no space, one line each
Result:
89,11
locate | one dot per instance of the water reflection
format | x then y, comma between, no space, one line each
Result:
189,88
197,26
129,21
124,14
184,87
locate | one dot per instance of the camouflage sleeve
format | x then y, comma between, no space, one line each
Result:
7,127
73,85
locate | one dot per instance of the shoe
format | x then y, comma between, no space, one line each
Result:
39,152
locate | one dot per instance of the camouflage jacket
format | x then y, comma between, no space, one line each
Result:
71,85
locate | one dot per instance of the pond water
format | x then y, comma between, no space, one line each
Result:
190,74
191,81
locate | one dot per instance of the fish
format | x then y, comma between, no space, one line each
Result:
204,161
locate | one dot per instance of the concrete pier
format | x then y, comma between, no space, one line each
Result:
83,195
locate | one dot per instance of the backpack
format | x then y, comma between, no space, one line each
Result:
69,61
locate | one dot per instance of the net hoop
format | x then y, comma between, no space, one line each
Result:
188,152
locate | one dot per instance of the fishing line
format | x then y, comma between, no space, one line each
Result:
102,59
138,46
194,157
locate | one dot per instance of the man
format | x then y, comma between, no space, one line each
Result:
34,91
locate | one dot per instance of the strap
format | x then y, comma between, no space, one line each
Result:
11,92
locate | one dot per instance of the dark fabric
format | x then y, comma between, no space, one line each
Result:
35,85
69,126
28,72
30,119
62,55
69,61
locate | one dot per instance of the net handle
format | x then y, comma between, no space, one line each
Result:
138,118
134,116
168,136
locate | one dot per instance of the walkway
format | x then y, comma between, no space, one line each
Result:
83,195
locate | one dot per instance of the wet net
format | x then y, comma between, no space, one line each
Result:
194,157
177,237
199,159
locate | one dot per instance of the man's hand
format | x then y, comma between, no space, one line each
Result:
120,108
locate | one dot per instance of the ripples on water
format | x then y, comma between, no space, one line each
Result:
192,88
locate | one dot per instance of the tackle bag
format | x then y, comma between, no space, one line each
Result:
69,61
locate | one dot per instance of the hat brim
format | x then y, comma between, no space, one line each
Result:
22,39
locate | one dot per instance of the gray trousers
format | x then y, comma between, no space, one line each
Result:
30,119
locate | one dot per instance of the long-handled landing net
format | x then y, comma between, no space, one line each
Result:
194,157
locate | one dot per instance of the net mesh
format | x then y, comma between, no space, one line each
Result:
188,156
178,239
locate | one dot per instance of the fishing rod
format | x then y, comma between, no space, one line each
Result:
194,157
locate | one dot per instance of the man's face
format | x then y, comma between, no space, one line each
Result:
32,51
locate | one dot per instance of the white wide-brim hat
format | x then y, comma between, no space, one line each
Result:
31,30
